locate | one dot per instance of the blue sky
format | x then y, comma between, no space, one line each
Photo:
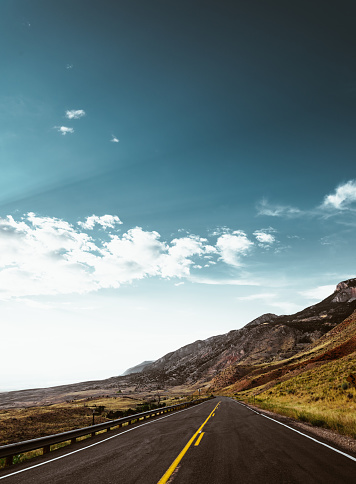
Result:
169,171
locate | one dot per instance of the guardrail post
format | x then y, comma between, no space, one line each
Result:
9,460
73,441
46,449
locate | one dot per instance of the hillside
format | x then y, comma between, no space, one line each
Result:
269,339
337,344
314,386
137,368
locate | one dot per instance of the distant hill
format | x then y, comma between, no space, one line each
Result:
137,368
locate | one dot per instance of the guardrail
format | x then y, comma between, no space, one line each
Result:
11,450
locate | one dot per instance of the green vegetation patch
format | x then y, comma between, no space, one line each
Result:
320,396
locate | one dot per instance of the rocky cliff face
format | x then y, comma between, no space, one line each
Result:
345,291
266,339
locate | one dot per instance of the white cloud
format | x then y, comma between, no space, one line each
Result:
220,231
265,208
264,237
178,260
232,247
36,257
135,255
270,300
106,221
64,130
328,240
318,293
222,282
286,307
45,255
114,139
343,197
255,297
49,256
341,200
75,113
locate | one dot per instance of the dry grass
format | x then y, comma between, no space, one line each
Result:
28,423
21,424
320,396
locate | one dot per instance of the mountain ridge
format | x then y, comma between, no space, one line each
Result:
266,339
137,368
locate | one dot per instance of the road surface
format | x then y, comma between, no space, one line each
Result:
217,442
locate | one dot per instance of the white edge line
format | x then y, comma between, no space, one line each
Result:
301,433
92,445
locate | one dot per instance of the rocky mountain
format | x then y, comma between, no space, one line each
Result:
269,338
339,344
137,368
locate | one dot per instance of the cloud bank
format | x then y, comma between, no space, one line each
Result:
48,256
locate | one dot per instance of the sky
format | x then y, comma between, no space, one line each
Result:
170,170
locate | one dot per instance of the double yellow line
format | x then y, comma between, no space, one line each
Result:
174,464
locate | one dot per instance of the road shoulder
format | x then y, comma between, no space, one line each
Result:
341,442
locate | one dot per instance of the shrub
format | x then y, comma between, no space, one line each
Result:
114,414
318,422
302,416
17,458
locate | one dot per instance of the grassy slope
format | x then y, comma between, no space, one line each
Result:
312,386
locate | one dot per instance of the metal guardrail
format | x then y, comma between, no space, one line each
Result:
11,450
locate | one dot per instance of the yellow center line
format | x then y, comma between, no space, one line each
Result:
174,464
199,439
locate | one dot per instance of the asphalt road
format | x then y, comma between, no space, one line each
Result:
234,445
